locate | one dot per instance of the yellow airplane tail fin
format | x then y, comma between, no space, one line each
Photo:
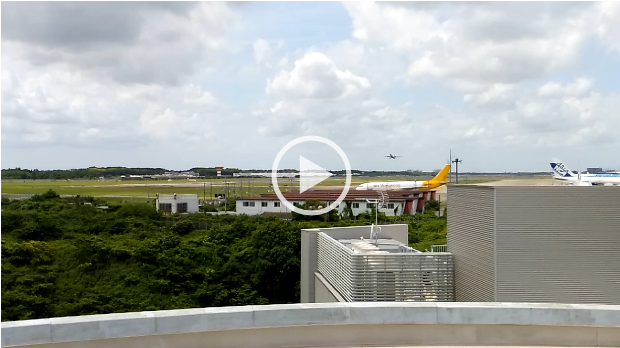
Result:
443,174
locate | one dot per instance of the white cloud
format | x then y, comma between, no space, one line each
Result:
119,81
609,24
395,27
580,87
565,115
483,43
143,43
263,54
483,77
499,95
65,107
489,54
315,76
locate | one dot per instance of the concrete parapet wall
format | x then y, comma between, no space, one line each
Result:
325,324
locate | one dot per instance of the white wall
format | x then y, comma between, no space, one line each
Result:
324,292
364,207
258,209
192,203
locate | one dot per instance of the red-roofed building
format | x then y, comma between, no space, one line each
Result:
396,202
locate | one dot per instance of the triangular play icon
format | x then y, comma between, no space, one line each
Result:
310,174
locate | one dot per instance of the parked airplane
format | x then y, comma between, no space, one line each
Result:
562,173
392,156
438,180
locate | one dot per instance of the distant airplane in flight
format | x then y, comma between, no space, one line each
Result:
392,156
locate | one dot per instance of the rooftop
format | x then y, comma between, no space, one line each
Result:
379,246
165,195
382,269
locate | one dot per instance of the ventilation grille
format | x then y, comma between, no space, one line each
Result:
385,276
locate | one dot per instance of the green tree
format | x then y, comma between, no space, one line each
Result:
182,227
60,258
314,204
431,205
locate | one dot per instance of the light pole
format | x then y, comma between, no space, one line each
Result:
457,161
450,180
227,194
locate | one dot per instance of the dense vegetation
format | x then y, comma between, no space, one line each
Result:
93,172
64,257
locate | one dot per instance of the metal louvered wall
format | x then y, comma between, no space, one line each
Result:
406,276
403,277
471,229
558,244
334,264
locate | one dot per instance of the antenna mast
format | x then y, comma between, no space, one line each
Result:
375,229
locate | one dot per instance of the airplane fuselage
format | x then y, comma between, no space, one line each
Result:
597,179
399,185
438,180
561,172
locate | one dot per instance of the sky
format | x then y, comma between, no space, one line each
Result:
505,86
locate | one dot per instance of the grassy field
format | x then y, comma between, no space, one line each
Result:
144,189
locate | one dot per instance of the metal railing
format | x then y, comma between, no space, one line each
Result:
439,248
408,276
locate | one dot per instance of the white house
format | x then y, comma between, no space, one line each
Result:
257,206
176,204
395,202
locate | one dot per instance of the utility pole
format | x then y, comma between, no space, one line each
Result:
457,161
204,193
226,200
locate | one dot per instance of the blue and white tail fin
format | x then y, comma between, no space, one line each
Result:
560,170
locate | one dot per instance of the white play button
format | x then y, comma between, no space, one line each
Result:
310,174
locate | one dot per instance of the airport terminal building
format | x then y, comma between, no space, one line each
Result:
553,244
